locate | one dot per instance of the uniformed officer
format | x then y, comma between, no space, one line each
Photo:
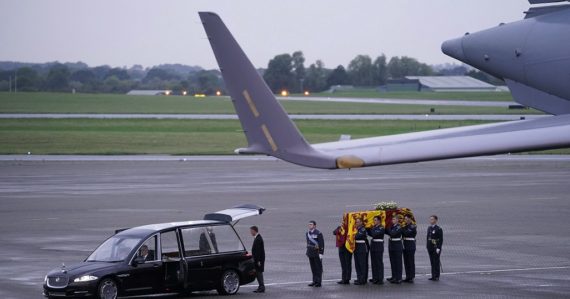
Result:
361,253
377,251
395,250
344,255
315,251
409,233
434,242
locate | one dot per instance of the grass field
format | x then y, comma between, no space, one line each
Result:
178,137
92,136
467,96
107,103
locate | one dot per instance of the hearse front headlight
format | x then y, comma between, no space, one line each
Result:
45,279
85,278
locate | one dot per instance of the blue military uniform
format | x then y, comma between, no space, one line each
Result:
395,252
361,256
315,247
377,253
409,233
434,242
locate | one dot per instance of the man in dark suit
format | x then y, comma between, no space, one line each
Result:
434,243
315,251
258,252
145,255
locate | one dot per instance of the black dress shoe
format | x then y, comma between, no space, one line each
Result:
408,280
379,282
396,281
340,282
373,280
259,291
389,279
312,284
317,285
434,279
346,282
359,283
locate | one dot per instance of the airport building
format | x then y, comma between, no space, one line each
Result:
139,92
438,84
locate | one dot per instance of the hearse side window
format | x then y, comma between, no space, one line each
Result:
226,239
147,251
198,241
169,245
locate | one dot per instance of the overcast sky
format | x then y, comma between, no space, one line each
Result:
127,32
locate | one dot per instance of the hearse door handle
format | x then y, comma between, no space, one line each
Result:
155,265
201,264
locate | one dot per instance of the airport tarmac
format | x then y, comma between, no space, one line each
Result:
504,218
436,102
489,117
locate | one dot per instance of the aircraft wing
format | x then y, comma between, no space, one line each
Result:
507,137
269,130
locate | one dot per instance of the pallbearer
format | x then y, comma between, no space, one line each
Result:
434,243
344,255
395,250
361,253
377,251
409,233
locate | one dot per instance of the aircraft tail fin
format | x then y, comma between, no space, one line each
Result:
266,125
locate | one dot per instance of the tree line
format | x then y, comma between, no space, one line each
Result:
283,72
58,77
288,72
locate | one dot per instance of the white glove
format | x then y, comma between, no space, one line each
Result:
321,256
437,250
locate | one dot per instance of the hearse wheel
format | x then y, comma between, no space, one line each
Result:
229,284
107,289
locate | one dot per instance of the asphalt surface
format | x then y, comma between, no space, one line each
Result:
404,101
292,116
504,218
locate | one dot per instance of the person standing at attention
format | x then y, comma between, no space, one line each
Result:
258,252
315,251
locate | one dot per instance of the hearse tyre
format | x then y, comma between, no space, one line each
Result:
229,282
108,289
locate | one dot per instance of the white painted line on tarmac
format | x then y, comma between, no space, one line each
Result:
446,274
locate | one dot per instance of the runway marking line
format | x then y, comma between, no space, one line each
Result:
449,273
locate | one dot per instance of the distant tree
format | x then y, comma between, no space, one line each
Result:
160,74
380,70
58,78
338,77
406,66
361,71
207,82
298,70
100,72
316,80
28,79
83,76
279,74
120,73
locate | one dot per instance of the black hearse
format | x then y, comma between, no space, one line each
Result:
162,258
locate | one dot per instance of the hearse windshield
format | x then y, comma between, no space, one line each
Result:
115,249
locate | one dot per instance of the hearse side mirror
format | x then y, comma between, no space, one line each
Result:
137,260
